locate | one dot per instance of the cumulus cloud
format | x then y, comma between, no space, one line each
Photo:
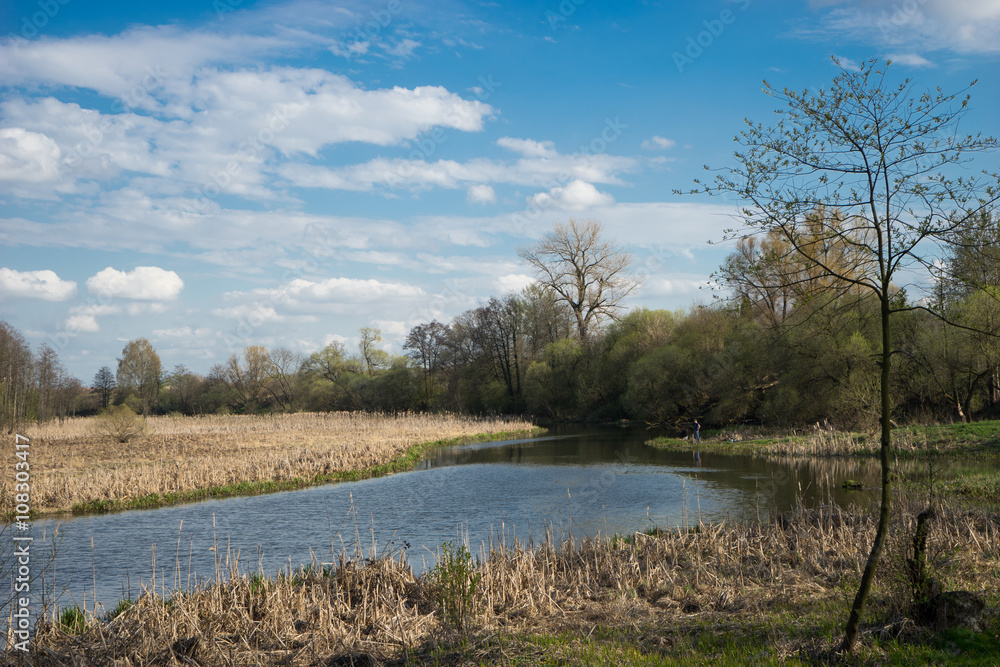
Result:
481,194
45,285
144,283
574,196
657,142
29,157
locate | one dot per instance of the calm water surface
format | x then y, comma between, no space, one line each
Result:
577,483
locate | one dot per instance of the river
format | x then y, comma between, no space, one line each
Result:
571,482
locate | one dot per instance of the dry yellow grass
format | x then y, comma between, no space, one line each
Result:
789,583
70,464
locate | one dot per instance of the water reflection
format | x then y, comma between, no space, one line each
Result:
577,483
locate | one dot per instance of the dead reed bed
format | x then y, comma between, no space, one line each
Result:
786,585
71,465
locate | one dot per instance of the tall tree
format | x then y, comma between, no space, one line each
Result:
139,373
104,385
247,380
883,156
49,380
282,371
373,358
586,271
771,277
425,344
15,377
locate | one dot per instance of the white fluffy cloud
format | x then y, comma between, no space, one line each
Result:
45,285
145,283
27,156
481,194
574,196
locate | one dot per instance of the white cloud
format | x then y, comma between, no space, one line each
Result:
574,196
350,289
512,282
911,60
418,174
404,48
962,26
83,319
183,333
848,64
657,142
481,194
146,283
673,284
528,147
391,328
306,298
29,157
45,285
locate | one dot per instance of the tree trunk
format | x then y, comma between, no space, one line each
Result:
851,632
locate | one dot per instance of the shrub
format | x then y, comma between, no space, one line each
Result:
120,423
455,581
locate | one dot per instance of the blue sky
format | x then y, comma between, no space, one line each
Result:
212,174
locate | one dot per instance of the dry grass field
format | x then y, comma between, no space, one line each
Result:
71,465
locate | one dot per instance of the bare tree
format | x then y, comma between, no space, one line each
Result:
883,156
247,380
104,385
586,271
15,377
426,345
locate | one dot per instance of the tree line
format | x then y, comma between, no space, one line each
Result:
790,346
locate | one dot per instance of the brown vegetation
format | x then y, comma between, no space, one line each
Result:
775,589
71,464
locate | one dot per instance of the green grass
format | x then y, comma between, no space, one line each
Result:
402,463
787,638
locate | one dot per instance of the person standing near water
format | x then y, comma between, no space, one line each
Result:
697,431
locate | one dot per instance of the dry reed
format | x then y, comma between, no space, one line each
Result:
71,465
709,578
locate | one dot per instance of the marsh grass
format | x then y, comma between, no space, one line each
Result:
191,458
980,440
768,593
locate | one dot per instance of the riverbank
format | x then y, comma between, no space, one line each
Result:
183,459
767,593
980,440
